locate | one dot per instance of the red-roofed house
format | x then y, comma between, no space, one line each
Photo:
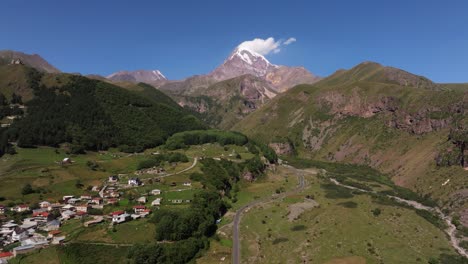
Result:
6,255
21,208
41,214
139,208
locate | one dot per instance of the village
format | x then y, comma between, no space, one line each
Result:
26,228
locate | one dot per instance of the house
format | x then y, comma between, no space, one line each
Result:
139,209
53,233
113,179
21,208
119,217
86,197
41,215
134,182
96,200
5,256
68,214
68,207
44,204
66,161
156,192
23,250
38,241
58,240
2,209
142,200
156,202
19,234
73,200
187,184
54,206
67,197
176,201
112,201
82,208
52,225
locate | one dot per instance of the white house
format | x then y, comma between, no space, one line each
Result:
156,202
187,184
134,182
2,209
82,208
113,179
156,192
68,214
44,204
21,208
19,234
142,200
120,217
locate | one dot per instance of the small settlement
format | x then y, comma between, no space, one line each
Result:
40,227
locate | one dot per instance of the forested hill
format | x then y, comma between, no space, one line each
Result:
95,115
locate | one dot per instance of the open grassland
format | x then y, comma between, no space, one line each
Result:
346,227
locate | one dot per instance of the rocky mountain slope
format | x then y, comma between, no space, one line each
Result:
403,124
34,60
153,77
240,85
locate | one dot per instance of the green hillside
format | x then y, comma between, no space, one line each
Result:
379,116
90,114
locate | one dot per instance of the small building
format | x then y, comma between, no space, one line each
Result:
19,234
86,197
5,256
134,182
142,200
187,184
68,207
23,250
67,161
156,202
44,204
68,214
112,201
2,209
67,197
113,179
82,207
120,217
41,214
53,233
52,225
139,209
96,200
73,200
156,192
21,208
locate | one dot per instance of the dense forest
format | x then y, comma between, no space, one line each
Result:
94,115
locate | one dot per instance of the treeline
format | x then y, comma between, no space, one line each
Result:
94,115
199,137
158,159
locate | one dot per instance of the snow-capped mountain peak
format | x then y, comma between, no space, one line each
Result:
247,55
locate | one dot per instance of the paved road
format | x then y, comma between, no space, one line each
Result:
236,255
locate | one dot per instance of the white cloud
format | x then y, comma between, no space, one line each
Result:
289,41
265,46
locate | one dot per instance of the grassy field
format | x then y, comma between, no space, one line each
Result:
345,228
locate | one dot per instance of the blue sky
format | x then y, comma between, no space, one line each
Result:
183,38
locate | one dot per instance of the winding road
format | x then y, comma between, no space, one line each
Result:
236,255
